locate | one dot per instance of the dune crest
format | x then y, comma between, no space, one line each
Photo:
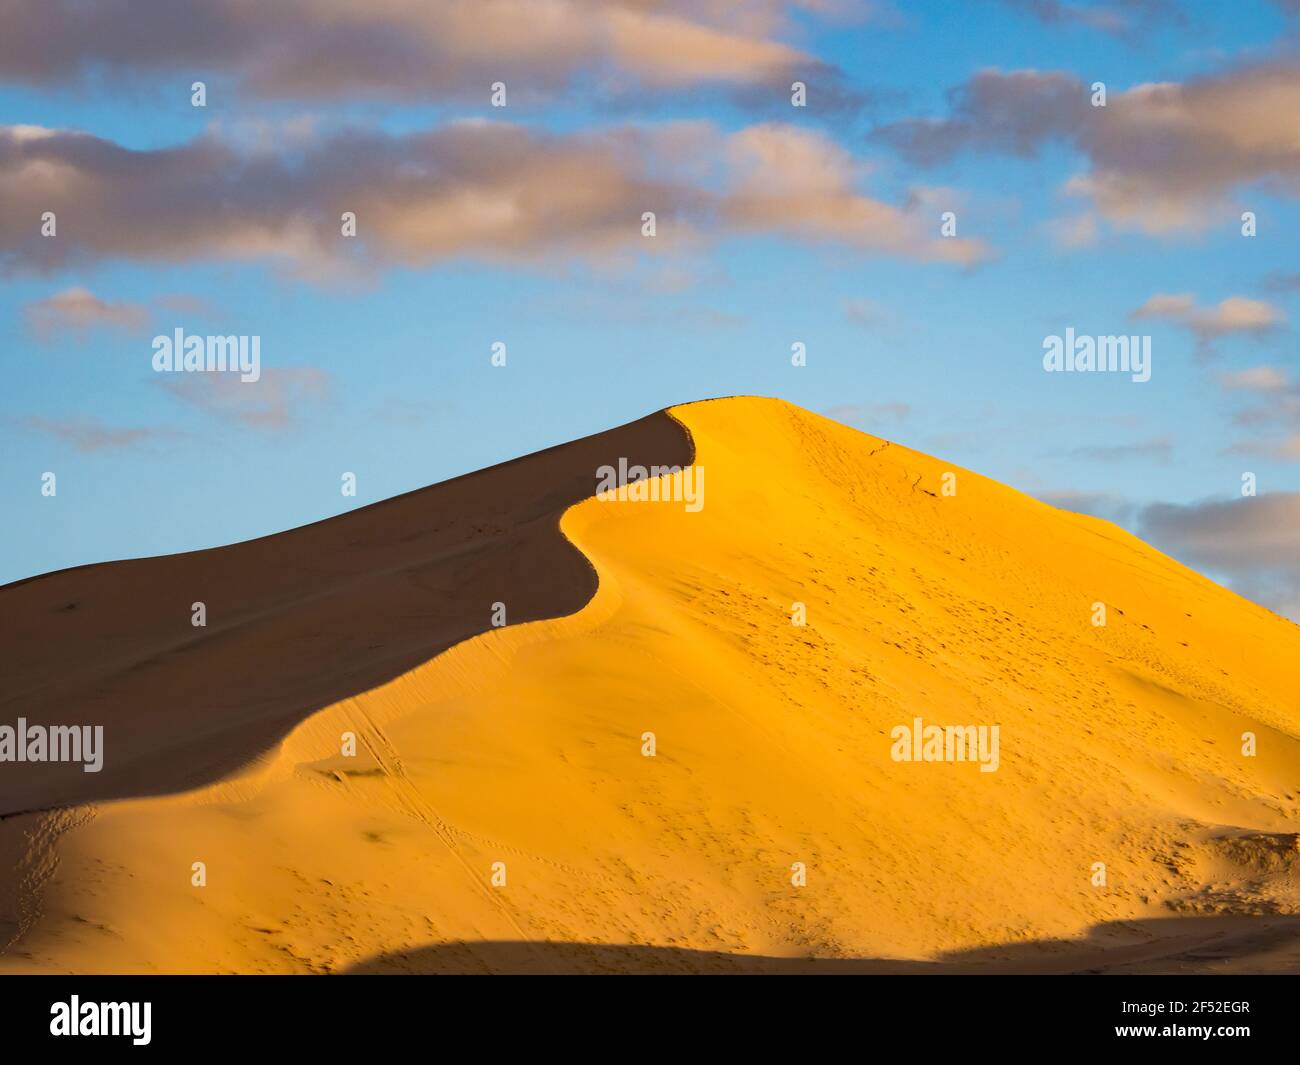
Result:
502,793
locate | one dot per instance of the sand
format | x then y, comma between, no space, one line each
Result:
517,752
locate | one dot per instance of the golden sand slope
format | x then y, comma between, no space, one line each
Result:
1118,744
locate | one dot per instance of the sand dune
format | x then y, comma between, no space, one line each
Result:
295,622
520,749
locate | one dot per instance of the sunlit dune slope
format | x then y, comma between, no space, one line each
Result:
1119,744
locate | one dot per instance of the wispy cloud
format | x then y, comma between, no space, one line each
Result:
1117,18
274,403
1256,379
89,435
864,312
79,311
1157,449
1283,282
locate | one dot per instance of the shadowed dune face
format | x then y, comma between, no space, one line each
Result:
504,791
295,621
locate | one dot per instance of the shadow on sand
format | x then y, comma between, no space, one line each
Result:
1212,944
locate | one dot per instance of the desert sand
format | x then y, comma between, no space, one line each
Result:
500,814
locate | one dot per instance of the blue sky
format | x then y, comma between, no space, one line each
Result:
385,354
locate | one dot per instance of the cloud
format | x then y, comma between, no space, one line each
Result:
181,303
89,435
408,49
487,190
1118,18
411,413
1074,231
1163,157
78,311
1104,505
1157,449
1013,112
469,188
272,404
1257,379
864,312
1275,411
1236,314
801,183
1253,542
1283,282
